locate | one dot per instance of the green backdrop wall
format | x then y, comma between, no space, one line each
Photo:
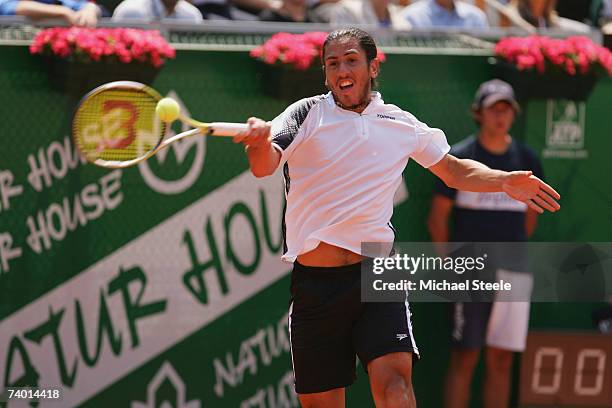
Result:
163,282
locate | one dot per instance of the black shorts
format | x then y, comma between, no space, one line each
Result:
469,324
329,327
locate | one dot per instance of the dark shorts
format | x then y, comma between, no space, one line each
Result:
329,327
469,323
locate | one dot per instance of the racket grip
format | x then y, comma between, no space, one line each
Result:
227,129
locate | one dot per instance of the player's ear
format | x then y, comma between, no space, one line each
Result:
374,68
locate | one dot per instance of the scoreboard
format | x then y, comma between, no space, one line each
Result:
565,369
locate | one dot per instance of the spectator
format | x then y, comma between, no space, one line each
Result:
607,11
214,9
290,11
605,21
320,10
444,13
157,10
492,9
542,14
501,327
234,9
74,12
368,12
575,10
601,12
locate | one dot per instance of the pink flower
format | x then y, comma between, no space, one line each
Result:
299,51
97,44
573,55
525,61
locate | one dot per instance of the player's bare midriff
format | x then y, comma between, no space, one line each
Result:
329,255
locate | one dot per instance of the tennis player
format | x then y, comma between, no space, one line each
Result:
342,156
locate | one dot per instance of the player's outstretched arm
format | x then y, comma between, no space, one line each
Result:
470,175
263,157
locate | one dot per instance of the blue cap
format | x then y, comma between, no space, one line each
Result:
493,91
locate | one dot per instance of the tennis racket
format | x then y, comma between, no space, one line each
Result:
115,125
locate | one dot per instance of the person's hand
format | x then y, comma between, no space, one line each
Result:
70,16
88,15
524,186
257,135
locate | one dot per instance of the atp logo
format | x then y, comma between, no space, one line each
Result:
565,130
161,175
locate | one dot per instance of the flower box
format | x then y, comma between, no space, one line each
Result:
282,82
78,78
80,59
542,67
554,85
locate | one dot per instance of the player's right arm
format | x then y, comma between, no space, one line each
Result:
270,144
257,140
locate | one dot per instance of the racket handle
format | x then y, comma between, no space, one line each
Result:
227,129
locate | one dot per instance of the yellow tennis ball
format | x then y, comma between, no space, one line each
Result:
167,110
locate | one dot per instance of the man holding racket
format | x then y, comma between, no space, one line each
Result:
343,155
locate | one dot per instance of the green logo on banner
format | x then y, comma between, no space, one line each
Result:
565,130
166,389
188,154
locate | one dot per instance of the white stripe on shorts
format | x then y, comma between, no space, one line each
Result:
409,321
290,344
459,321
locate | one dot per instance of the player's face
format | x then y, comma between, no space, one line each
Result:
497,118
348,73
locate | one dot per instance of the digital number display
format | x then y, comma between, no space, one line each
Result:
567,370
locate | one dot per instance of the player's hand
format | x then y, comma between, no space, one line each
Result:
524,186
257,135
87,16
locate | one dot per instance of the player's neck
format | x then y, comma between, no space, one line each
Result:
358,108
494,143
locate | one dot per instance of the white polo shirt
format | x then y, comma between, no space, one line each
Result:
342,169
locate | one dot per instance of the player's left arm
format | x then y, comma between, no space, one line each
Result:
470,175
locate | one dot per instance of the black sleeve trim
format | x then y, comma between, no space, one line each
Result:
286,126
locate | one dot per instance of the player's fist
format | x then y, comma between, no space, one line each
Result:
257,135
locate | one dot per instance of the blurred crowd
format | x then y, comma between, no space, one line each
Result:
570,15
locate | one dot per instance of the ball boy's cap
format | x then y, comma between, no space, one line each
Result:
493,91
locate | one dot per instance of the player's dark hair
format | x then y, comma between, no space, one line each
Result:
365,40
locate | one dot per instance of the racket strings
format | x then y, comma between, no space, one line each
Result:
118,124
